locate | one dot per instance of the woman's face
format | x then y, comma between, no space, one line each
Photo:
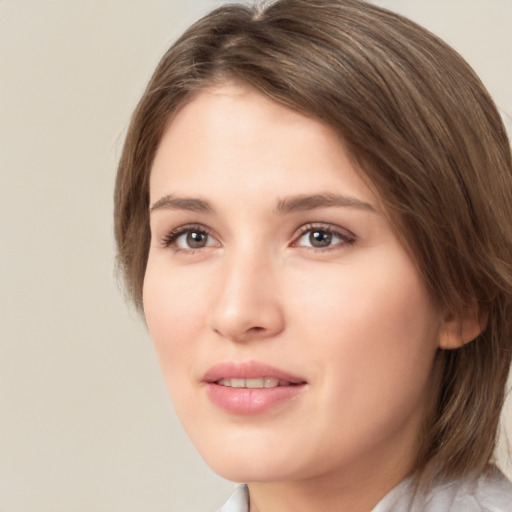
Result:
294,333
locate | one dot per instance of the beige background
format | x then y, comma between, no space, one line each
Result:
86,424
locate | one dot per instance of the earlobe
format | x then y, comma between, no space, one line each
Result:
458,331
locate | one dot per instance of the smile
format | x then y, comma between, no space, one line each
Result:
251,387
257,383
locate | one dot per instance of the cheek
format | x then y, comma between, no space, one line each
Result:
174,307
373,331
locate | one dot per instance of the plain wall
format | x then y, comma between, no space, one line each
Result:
86,424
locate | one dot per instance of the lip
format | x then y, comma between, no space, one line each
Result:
250,401
248,370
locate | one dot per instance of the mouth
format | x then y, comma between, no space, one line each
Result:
251,388
251,375
257,383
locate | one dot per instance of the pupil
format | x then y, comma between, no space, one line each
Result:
320,238
196,240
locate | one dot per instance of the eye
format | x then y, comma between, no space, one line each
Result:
323,237
189,238
192,240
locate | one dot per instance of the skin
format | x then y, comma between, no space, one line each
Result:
352,318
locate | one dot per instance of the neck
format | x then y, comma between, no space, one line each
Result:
304,497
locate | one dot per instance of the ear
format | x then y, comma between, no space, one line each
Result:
457,330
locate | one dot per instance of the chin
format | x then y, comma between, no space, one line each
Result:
238,465
248,472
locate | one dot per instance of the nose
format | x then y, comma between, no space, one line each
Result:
248,305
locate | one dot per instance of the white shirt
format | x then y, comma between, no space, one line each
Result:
490,493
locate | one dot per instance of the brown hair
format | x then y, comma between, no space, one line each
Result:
426,136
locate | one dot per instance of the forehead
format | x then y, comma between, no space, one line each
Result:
234,133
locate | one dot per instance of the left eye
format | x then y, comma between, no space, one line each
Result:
320,238
193,240
189,238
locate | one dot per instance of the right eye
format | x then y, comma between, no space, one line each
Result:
189,238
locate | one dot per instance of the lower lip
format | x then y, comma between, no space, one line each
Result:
251,401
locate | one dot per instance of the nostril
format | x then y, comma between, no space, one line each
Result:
245,317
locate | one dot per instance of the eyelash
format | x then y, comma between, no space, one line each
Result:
346,238
172,237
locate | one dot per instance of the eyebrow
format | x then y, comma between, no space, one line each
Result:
310,202
291,204
172,202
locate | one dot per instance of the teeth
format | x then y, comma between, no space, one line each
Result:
266,382
254,383
238,383
271,383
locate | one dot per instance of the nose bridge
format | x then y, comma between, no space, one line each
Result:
248,305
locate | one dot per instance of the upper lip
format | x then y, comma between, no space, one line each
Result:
249,370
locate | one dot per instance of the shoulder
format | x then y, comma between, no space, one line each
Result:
491,492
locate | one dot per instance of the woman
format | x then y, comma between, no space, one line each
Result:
313,213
